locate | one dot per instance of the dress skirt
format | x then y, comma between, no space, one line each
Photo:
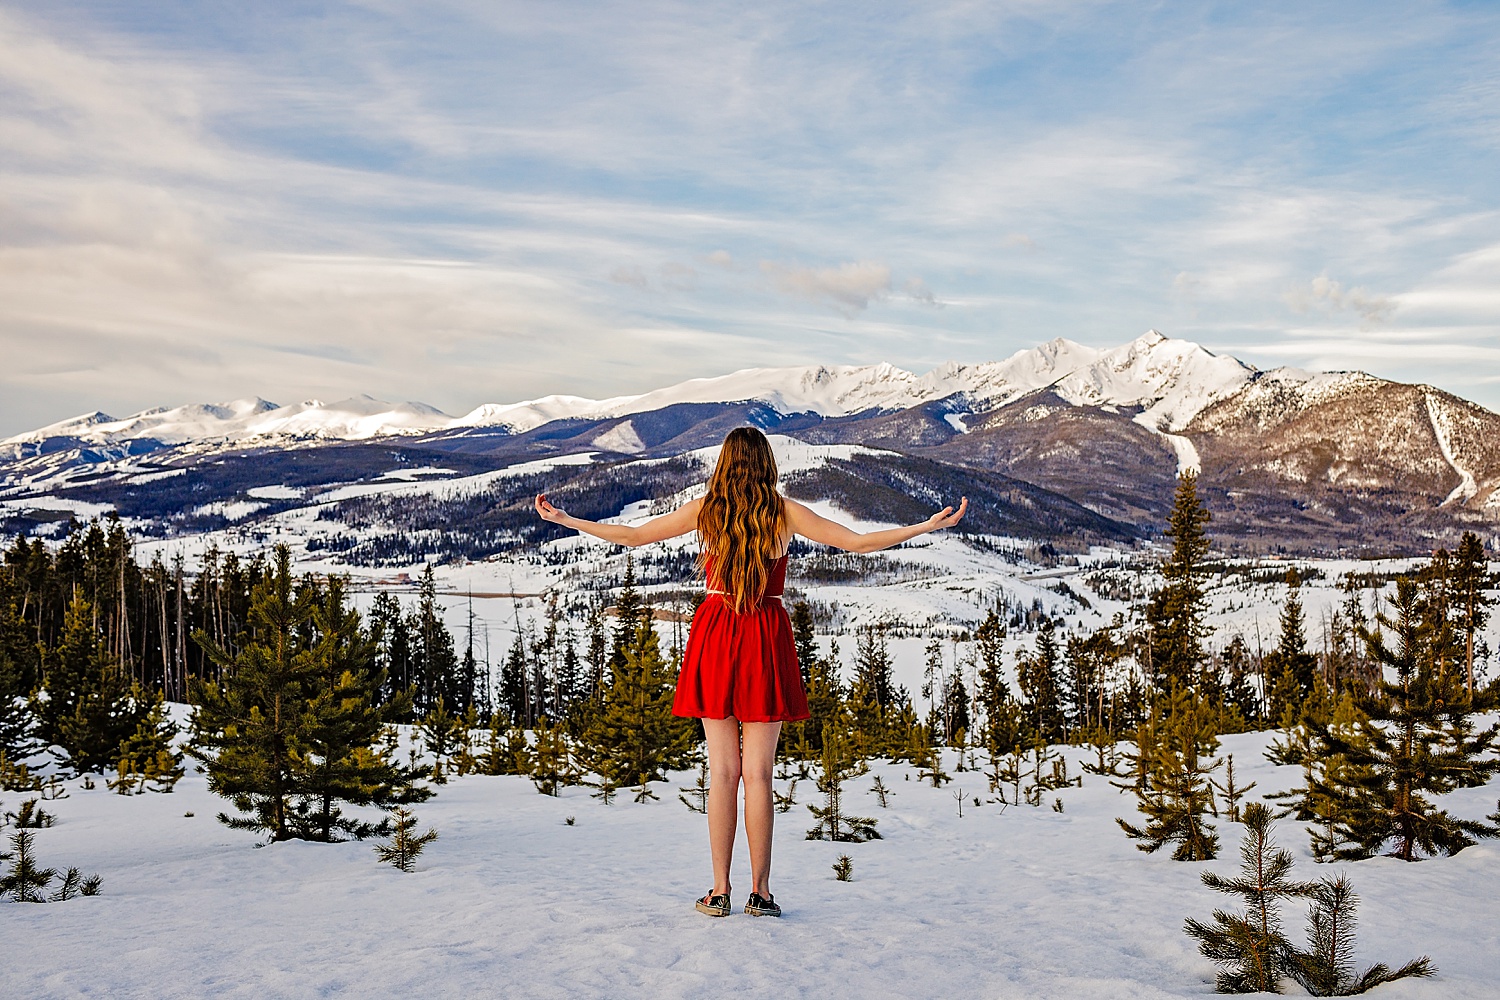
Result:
741,666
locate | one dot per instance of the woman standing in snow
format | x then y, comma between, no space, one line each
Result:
739,673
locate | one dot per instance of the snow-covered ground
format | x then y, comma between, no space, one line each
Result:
511,901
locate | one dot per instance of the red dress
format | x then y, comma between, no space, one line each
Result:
744,665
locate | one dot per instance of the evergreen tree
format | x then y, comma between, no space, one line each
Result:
1472,581
837,764
250,734
872,665
515,700
88,705
1003,723
634,738
1326,968
552,767
26,880
18,670
1176,612
1038,674
1176,794
1420,741
1249,947
405,845
344,720
627,616
804,637
148,758
955,710
1293,670
434,660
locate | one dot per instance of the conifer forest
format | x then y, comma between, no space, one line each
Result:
281,704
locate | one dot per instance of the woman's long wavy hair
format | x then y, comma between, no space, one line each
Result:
743,518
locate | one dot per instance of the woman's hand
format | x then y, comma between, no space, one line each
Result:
547,512
948,517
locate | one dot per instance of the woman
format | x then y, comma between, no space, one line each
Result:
739,673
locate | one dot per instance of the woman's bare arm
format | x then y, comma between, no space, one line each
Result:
816,528
678,522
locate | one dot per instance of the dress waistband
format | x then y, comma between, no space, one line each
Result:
764,597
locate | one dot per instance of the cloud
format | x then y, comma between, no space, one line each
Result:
629,274
917,290
1324,291
851,286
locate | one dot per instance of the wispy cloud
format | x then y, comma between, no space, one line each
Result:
461,201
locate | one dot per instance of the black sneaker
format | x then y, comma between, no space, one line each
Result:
762,906
714,906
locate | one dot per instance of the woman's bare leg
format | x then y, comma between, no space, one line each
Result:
723,736
758,761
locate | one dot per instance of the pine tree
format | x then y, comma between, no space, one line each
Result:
699,791
1293,670
88,705
148,758
1176,794
250,734
1249,947
17,672
405,845
1176,612
515,700
634,738
627,616
1326,968
1420,741
837,764
1038,674
343,724
872,665
1472,581
25,881
434,659
552,767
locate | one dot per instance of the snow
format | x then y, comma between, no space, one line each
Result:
1466,487
1172,380
274,493
1013,902
621,437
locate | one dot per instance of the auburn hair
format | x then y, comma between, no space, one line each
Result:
743,518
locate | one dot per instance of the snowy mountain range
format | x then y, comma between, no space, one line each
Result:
1169,380
1288,457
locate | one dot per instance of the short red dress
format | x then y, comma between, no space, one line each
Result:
742,666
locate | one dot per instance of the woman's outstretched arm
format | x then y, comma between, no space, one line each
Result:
678,522
816,528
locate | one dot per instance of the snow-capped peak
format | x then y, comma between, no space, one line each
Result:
1170,381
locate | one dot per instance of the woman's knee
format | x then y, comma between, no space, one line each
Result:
757,774
726,772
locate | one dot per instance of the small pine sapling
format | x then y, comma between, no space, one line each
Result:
53,789
1057,805
31,816
1326,968
1231,792
699,791
958,796
838,764
1249,947
927,758
552,767
843,868
405,845
72,885
25,880
882,791
785,801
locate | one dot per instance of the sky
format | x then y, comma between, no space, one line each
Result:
468,201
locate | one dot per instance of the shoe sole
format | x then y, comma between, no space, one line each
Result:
712,911
762,913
